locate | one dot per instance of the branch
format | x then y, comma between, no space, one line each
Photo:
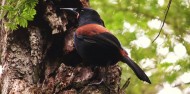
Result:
125,86
166,13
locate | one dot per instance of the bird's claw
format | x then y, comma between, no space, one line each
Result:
97,83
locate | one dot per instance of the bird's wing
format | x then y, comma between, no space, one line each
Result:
105,39
108,40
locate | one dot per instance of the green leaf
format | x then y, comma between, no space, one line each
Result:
171,77
18,13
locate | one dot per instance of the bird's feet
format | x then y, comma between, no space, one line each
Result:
97,82
99,77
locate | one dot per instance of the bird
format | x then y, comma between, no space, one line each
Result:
97,46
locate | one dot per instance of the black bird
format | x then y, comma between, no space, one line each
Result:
97,46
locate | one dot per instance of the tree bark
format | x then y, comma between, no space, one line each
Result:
41,58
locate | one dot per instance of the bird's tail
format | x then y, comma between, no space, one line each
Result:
138,71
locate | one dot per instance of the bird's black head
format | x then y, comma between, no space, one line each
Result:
86,16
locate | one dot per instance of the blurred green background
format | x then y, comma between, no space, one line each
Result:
166,61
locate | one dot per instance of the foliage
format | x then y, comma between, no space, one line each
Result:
18,13
129,20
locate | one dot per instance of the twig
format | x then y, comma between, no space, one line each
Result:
166,13
180,84
122,90
126,84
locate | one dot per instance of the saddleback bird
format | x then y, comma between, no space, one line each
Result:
97,46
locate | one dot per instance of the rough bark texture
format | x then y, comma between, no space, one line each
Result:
41,59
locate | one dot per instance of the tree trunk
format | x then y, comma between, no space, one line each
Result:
41,58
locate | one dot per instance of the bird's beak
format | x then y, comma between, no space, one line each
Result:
71,11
